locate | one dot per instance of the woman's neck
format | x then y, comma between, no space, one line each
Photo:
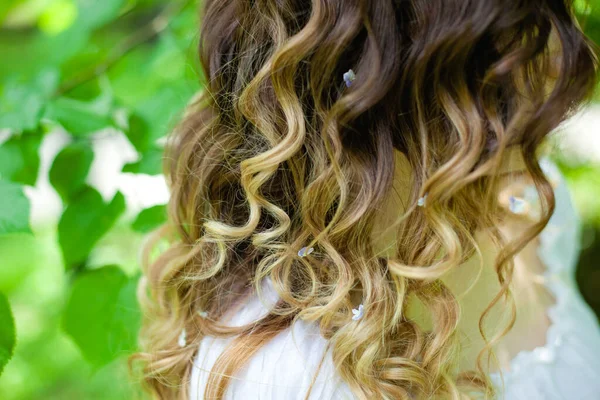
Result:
475,282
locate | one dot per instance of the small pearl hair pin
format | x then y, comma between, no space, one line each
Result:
349,77
203,314
182,341
517,205
303,252
422,201
358,312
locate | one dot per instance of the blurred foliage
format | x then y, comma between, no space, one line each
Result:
101,314
7,332
82,67
150,219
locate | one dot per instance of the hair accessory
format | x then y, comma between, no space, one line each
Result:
303,252
182,339
421,202
349,77
203,314
517,205
358,313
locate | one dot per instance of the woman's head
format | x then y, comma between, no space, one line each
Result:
279,153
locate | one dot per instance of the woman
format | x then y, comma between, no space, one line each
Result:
359,210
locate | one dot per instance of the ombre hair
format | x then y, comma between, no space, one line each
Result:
277,153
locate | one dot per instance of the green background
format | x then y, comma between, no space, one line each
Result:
84,73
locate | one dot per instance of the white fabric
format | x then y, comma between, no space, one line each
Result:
567,367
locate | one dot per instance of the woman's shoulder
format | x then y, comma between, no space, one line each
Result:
287,367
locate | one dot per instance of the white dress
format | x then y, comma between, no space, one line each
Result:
566,367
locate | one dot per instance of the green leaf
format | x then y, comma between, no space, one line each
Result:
150,219
28,52
102,315
23,98
164,108
95,13
20,108
151,163
86,219
14,209
7,333
70,168
138,133
19,158
156,82
588,13
88,91
184,28
79,117
59,48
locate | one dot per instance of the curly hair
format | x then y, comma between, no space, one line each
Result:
278,153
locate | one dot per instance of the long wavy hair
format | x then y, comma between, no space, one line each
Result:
278,153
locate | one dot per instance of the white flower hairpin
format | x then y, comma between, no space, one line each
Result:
303,252
358,312
349,77
517,205
182,341
422,201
